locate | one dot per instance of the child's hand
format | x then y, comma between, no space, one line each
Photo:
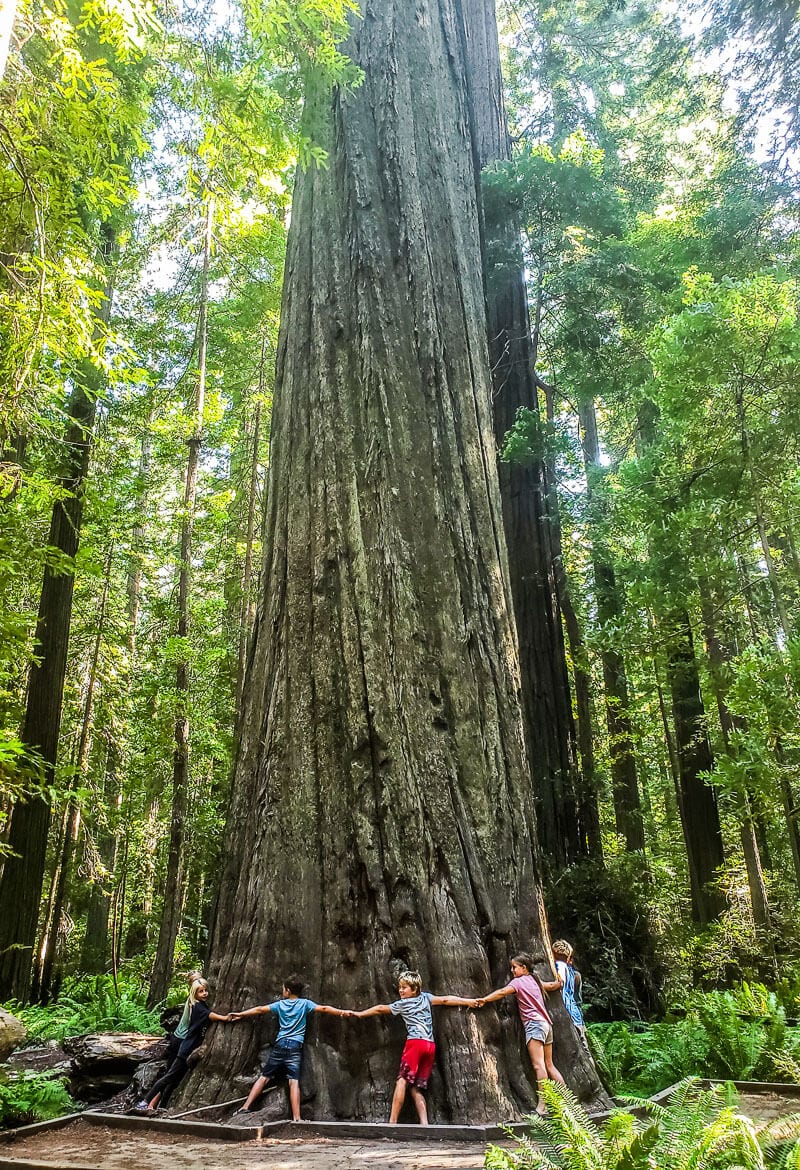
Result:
479,1003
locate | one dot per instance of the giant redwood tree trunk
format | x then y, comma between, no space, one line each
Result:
381,812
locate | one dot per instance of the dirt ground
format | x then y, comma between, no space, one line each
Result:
82,1146
768,1106
93,1147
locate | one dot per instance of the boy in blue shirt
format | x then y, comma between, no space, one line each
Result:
287,1051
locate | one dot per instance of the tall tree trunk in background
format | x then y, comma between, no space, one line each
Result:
134,578
719,655
173,882
791,807
73,821
96,950
527,503
588,800
697,800
381,812
624,778
98,943
582,682
699,809
23,871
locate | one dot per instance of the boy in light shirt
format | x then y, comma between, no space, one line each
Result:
419,1053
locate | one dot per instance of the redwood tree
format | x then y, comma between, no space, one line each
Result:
566,817
381,812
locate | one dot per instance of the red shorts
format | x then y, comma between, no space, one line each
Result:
416,1063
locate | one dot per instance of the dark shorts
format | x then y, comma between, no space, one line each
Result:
416,1063
284,1059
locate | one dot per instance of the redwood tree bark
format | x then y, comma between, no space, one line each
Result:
381,811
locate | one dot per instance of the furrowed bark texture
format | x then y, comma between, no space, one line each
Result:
381,812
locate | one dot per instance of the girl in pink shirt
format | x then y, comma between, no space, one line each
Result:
536,1021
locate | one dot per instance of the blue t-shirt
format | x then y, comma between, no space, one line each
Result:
568,991
291,1015
417,1015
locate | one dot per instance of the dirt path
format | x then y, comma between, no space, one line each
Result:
93,1147
81,1145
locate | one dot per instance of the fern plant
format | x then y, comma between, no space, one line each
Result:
698,1130
741,1035
30,1096
780,1141
90,1004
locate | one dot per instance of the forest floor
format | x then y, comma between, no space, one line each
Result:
81,1145
95,1147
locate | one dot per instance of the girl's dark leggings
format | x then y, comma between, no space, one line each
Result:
166,1083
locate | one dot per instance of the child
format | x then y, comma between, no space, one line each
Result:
199,1017
536,1021
287,1050
174,1040
416,1063
570,983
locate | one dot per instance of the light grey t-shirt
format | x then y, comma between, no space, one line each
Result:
416,1013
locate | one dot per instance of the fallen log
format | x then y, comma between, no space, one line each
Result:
102,1052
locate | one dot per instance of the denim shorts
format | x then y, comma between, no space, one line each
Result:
538,1030
284,1058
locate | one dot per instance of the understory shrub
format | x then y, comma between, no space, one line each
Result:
604,912
28,1096
734,1035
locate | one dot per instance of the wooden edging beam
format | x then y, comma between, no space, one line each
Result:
354,1130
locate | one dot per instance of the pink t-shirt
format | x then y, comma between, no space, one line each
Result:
530,1000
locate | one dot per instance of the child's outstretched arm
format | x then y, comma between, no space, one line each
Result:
501,993
334,1011
217,1018
454,1001
261,1010
379,1009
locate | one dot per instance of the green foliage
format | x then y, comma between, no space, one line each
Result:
88,1004
698,1130
26,1097
736,1035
